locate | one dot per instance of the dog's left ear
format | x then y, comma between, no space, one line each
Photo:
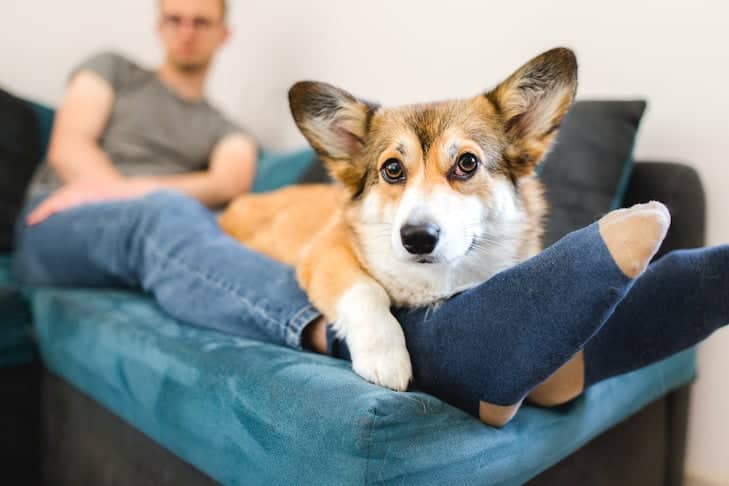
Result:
335,124
532,103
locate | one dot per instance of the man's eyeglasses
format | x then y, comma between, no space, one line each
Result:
176,22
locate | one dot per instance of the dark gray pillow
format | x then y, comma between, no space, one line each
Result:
20,151
587,171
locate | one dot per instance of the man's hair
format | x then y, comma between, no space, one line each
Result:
223,8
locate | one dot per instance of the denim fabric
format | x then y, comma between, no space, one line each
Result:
679,301
170,246
250,413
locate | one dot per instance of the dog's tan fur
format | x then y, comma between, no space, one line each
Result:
330,233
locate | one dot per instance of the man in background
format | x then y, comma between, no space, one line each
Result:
122,131
136,159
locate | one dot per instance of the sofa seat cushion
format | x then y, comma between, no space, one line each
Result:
246,412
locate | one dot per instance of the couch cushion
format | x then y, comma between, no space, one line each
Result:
276,169
16,346
587,171
20,148
245,412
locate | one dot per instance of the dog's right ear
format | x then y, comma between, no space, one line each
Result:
335,124
533,102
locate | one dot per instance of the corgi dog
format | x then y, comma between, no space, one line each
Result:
432,199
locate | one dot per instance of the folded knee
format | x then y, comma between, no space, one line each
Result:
167,200
165,206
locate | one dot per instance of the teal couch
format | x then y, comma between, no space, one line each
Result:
240,412
248,413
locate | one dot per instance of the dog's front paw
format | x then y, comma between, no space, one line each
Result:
388,366
375,339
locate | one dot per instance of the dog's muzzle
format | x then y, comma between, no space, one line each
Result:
419,239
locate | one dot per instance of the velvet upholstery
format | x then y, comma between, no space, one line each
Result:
245,412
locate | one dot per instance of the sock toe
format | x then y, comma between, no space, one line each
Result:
633,235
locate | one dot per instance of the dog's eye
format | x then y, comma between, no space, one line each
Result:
466,166
392,171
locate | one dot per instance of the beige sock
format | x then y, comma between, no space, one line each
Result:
633,235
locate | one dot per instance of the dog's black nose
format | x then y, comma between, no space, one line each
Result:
419,239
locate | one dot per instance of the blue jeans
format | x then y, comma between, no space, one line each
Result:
171,246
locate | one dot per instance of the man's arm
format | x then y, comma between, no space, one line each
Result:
74,151
89,173
231,172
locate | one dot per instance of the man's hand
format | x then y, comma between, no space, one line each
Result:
82,192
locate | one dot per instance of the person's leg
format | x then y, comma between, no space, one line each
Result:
485,349
171,246
679,301
54,253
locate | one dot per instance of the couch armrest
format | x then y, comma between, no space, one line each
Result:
677,186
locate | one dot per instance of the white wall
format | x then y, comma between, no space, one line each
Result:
673,53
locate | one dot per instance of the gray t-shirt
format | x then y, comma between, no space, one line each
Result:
151,130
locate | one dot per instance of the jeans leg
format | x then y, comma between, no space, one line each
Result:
53,253
172,247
